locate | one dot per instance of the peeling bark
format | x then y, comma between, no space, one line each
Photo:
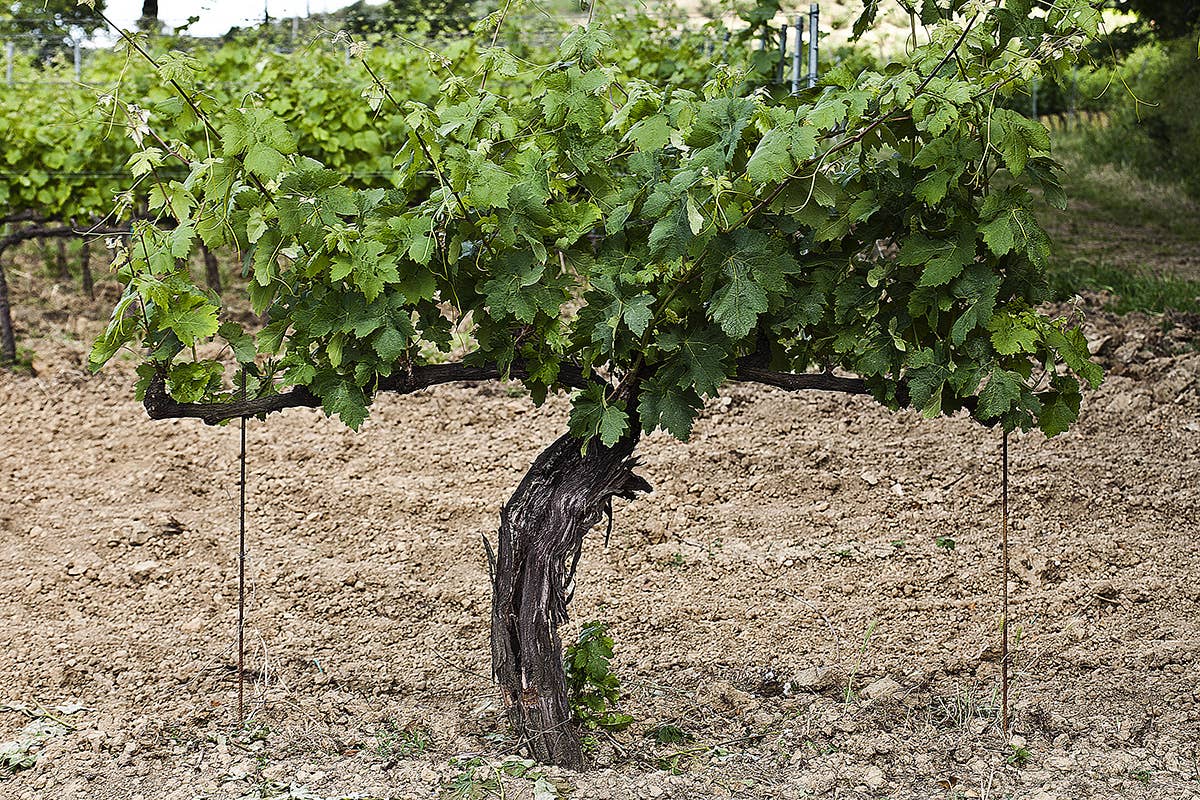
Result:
8,344
564,494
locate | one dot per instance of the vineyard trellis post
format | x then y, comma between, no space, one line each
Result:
797,45
814,16
782,65
10,55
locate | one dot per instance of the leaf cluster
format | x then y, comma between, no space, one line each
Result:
581,216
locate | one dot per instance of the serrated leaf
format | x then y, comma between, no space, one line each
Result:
189,382
651,133
998,235
1003,390
1060,409
240,342
638,313
1011,336
1071,346
751,264
348,402
943,260
670,408
264,161
701,356
389,344
192,318
613,424
772,160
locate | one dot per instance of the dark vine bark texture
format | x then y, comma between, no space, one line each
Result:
8,342
565,493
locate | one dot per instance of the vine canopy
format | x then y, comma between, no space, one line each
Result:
584,226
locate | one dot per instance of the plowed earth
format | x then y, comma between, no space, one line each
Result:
810,595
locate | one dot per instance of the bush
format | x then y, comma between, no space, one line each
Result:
1154,127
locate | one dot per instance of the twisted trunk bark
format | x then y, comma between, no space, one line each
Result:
8,344
565,493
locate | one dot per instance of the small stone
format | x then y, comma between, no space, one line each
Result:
882,689
275,773
816,678
137,533
142,570
870,478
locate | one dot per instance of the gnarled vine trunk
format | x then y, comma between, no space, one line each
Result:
8,344
565,493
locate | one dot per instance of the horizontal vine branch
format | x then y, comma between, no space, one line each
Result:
160,405
57,232
794,382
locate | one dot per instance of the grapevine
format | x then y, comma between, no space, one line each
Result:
631,240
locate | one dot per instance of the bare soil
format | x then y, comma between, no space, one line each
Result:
811,593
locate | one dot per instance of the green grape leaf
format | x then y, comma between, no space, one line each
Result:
661,405
240,342
192,318
347,401
1002,392
1010,335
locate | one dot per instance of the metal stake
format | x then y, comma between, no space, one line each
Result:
1004,578
241,625
10,49
797,44
814,15
782,53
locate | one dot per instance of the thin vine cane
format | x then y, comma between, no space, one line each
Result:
1004,582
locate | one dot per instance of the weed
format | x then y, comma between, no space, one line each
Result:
22,752
1142,776
944,542
958,710
670,734
1019,756
478,779
593,688
862,653
820,748
394,741
676,560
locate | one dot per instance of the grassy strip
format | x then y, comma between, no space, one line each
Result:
1131,290
1134,238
